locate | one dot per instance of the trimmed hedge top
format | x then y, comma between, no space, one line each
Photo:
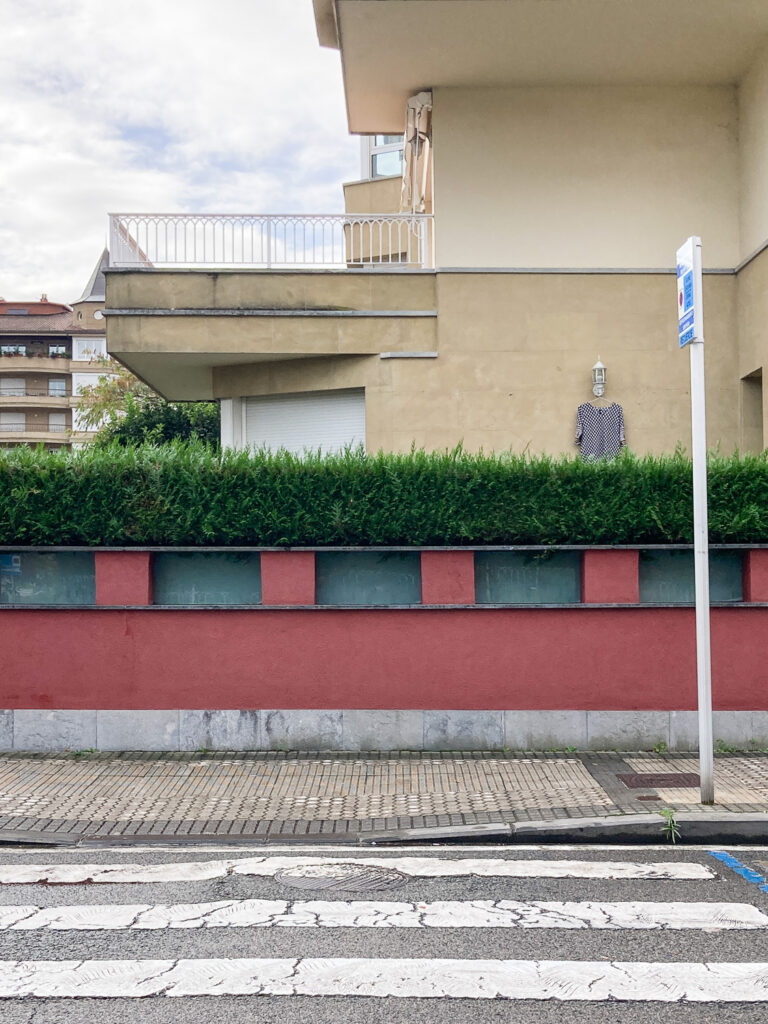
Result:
189,494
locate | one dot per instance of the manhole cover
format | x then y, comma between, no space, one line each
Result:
660,780
346,877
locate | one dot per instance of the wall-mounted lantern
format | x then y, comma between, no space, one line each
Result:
598,378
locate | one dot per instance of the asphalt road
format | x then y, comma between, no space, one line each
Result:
597,944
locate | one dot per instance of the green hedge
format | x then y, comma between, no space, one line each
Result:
188,494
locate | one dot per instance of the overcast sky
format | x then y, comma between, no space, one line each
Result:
157,106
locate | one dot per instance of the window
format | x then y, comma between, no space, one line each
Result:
368,578
667,577
527,577
57,350
325,420
86,349
10,386
207,578
47,578
12,422
382,156
57,422
57,388
13,350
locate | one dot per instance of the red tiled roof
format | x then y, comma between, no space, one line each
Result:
51,323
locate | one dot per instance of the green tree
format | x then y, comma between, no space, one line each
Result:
122,408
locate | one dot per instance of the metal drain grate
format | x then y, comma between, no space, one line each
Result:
345,877
660,780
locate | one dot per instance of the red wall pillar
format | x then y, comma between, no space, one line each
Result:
755,578
288,577
448,577
610,577
123,577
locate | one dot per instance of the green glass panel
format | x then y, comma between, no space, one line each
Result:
527,577
667,577
56,577
200,577
367,577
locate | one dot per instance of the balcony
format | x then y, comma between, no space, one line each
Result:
39,398
194,299
19,433
37,364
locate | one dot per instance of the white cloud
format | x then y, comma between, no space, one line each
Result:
223,105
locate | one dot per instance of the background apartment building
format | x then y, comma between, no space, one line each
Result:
555,158
48,352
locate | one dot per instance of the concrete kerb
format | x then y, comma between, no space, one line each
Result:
698,826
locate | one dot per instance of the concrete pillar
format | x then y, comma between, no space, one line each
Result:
755,575
610,577
123,577
287,577
448,577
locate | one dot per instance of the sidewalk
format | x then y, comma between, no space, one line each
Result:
346,796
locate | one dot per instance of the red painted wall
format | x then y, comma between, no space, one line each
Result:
582,658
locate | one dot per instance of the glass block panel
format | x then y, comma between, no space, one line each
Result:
667,577
367,577
57,577
527,577
202,577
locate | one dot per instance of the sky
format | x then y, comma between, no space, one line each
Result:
141,106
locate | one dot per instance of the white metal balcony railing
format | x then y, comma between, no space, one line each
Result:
270,240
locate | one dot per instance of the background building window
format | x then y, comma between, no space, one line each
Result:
13,421
382,156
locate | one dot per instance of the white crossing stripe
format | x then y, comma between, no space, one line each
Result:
369,914
420,867
577,980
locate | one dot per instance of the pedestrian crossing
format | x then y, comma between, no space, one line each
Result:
290,929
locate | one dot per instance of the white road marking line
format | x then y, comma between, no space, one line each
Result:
385,914
421,867
203,848
576,980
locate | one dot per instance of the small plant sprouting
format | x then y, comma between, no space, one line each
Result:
721,747
84,752
660,748
670,827
571,750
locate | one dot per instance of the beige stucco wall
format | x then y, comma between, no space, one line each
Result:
585,177
753,153
515,353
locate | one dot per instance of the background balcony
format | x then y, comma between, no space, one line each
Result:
34,363
32,398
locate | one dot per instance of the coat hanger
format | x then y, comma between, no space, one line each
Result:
600,403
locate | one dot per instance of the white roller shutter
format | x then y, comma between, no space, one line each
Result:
329,420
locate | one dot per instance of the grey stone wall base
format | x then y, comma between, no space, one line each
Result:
361,730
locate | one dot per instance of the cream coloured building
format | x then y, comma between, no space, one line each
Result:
557,155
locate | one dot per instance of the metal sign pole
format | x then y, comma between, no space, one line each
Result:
691,329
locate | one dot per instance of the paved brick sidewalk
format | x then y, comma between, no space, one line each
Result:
317,794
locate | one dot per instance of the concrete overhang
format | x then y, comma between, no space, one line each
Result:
173,329
391,49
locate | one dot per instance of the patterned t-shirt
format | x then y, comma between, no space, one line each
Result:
600,432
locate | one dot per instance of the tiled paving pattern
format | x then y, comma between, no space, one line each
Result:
316,794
